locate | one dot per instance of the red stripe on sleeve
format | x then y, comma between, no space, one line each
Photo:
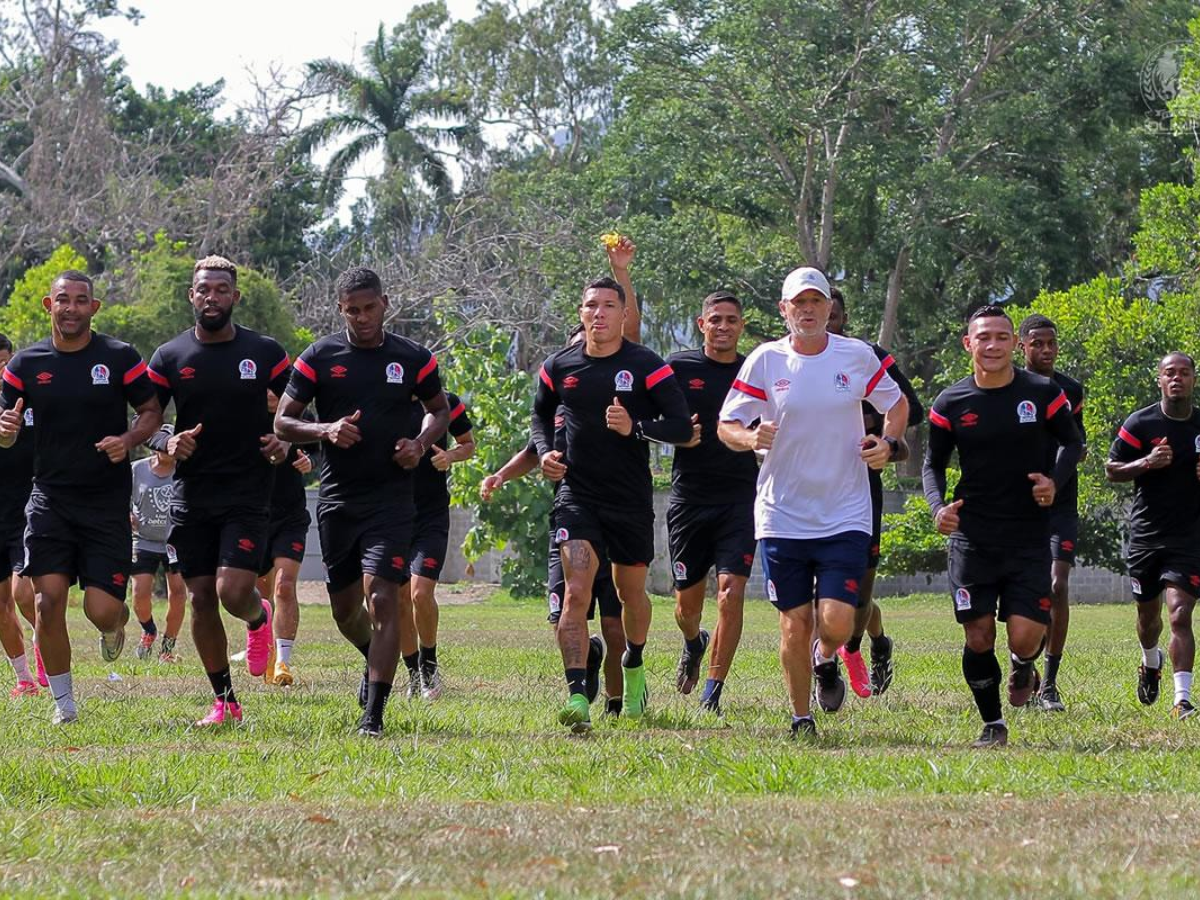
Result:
458,411
888,361
1129,439
939,420
546,379
426,369
877,377
135,373
156,378
1059,402
756,393
658,375
280,366
13,380
306,370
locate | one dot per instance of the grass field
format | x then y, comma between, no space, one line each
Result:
483,794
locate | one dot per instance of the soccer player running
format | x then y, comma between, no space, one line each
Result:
287,536
710,514
363,381
218,374
1006,424
1158,449
812,510
614,396
868,618
1038,342
150,513
16,592
79,383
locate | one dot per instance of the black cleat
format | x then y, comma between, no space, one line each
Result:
1023,683
1183,710
882,669
414,684
1148,680
370,727
1048,699
613,706
595,658
991,736
830,686
687,673
362,689
804,728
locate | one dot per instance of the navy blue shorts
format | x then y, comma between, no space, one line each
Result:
836,566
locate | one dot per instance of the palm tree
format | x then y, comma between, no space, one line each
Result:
391,106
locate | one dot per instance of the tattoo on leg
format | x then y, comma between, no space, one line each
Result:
578,555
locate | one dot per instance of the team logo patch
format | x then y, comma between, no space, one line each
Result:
561,536
696,384
187,373
1135,586
968,420
297,547
1044,604
560,421
44,377
962,599
337,371
841,382
100,374
772,595
1198,443
172,556
395,373
570,381
1068,545
1194,580
118,579
555,604
247,370
246,545
747,559
781,386
1026,412
851,586
680,571
397,562
28,418
624,380
430,562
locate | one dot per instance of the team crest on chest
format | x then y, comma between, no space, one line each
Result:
1026,412
395,373
247,370
624,380
841,382
1198,443
29,418
100,374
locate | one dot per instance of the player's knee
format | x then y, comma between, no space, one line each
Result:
1181,616
49,605
980,635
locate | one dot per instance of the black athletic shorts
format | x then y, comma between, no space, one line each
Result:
1064,532
286,539
13,540
627,534
1152,570
90,544
876,482
999,581
604,592
148,562
701,537
358,541
229,537
430,538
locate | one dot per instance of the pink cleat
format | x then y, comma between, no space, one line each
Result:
222,713
41,666
260,645
856,668
24,689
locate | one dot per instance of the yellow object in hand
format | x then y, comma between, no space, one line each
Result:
610,240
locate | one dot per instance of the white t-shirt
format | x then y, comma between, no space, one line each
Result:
813,482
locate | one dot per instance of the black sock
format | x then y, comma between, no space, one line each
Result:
712,691
428,657
412,661
880,646
576,681
364,649
1052,668
222,685
595,653
614,706
694,646
982,672
854,644
633,655
377,694
149,627
257,623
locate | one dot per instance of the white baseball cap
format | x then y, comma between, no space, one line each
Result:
804,279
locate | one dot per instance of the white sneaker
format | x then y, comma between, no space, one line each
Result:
111,644
431,687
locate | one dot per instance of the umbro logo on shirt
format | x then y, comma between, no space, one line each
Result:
968,420
44,377
337,372
570,381
187,373
781,386
696,384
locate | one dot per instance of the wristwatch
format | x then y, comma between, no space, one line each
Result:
894,444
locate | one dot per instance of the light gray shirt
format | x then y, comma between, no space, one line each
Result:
151,503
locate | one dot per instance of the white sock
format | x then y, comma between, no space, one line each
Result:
20,665
1183,686
283,650
1152,658
64,693
818,659
999,722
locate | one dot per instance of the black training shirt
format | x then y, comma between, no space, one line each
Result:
16,474
430,487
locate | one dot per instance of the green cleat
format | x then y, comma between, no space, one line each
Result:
636,695
577,714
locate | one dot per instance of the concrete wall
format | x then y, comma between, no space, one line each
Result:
1088,585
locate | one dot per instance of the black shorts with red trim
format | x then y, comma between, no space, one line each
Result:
999,581
625,533
205,539
431,538
358,541
148,562
876,482
1064,533
91,544
604,592
1150,571
286,539
702,537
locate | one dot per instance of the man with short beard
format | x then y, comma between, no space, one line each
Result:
218,374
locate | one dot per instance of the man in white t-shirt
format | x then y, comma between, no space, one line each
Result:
797,402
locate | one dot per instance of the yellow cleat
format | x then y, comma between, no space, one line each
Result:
281,676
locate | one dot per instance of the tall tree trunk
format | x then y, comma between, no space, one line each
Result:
891,305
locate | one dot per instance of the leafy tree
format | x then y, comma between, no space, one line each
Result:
23,319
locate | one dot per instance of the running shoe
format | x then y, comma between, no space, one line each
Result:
65,716
856,668
431,684
145,646
612,706
24,689
687,673
804,728
222,713
41,667
830,686
576,715
636,695
710,702
414,684
260,645
111,644
1148,680
166,653
882,670
595,659
1023,683
1048,698
992,736
1183,710
281,675
368,726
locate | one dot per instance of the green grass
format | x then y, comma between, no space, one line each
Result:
484,794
